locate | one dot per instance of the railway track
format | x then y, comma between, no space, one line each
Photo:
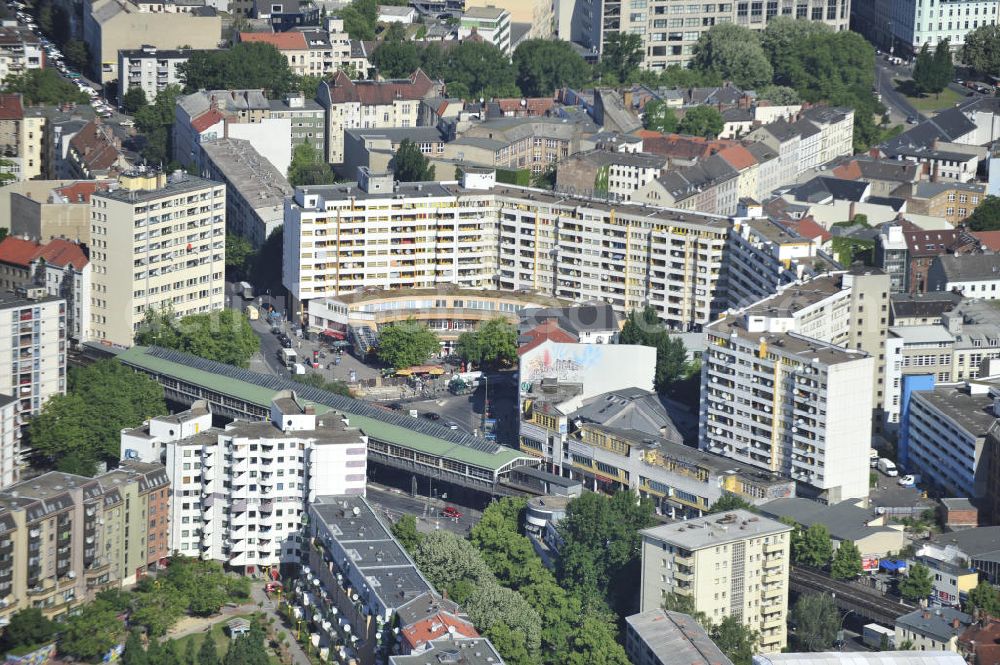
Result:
884,609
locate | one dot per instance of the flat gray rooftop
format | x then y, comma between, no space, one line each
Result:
971,412
716,529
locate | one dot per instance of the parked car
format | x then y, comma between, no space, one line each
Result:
888,467
451,425
430,415
909,480
452,512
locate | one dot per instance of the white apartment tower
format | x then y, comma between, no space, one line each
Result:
156,243
730,564
239,493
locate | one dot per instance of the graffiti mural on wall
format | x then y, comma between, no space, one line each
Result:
566,362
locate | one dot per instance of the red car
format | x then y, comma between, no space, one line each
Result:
451,511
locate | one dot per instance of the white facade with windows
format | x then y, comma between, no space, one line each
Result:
239,494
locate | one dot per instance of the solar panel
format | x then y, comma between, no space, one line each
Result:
348,405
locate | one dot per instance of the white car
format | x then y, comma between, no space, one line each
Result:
907,481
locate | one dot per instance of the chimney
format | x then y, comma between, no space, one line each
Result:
927,615
955,623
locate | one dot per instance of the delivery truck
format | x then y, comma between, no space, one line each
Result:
288,357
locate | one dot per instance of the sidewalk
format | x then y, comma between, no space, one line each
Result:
257,593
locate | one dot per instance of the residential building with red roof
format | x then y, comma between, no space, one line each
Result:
96,152
543,332
429,617
60,266
371,104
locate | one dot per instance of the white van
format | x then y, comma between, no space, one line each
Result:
888,467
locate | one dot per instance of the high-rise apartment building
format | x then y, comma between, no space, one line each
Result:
64,538
156,243
150,69
240,492
341,238
32,348
790,383
670,30
730,564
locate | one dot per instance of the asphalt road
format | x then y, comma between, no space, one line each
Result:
899,108
394,503
466,411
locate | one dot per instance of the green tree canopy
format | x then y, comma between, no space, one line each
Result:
405,531
621,55
600,555
659,117
207,653
944,68
924,76
478,69
27,628
317,381
817,621
155,122
396,59
981,49
735,54
135,652
986,217
410,165
846,564
728,502
494,343
406,344
224,336
780,95
134,99
89,634
308,167
814,546
645,328
546,65
702,121
918,583
77,54
76,430
247,65
44,86
782,41
675,602
735,640
239,256
984,598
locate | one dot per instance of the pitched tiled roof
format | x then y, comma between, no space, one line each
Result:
738,157
420,633
80,192
63,253
17,251
283,41
542,333
206,120
10,107
378,93
989,238
95,146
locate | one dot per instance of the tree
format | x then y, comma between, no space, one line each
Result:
984,598
646,329
924,76
478,69
407,343
77,54
815,547
491,605
735,640
846,564
446,560
239,255
360,18
91,633
659,117
702,121
317,381
981,49
594,642
728,502
134,99
917,584
780,95
27,628
817,621
155,122
135,652
546,65
405,530
493,343
410,165
783,38
986,217
74,431
191,652
44,86
308,167
600,555
396,59
675,602
224,336
621,55
944,68
546,178
246,65
265,272
207,654
735,54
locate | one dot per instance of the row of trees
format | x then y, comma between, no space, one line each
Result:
44,86
808,57
247,649
494,343
224,336
410,343
932,72
75,431
981,49
814,547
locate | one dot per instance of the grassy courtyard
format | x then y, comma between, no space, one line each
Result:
926,103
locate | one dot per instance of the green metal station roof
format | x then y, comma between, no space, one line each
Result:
378,423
